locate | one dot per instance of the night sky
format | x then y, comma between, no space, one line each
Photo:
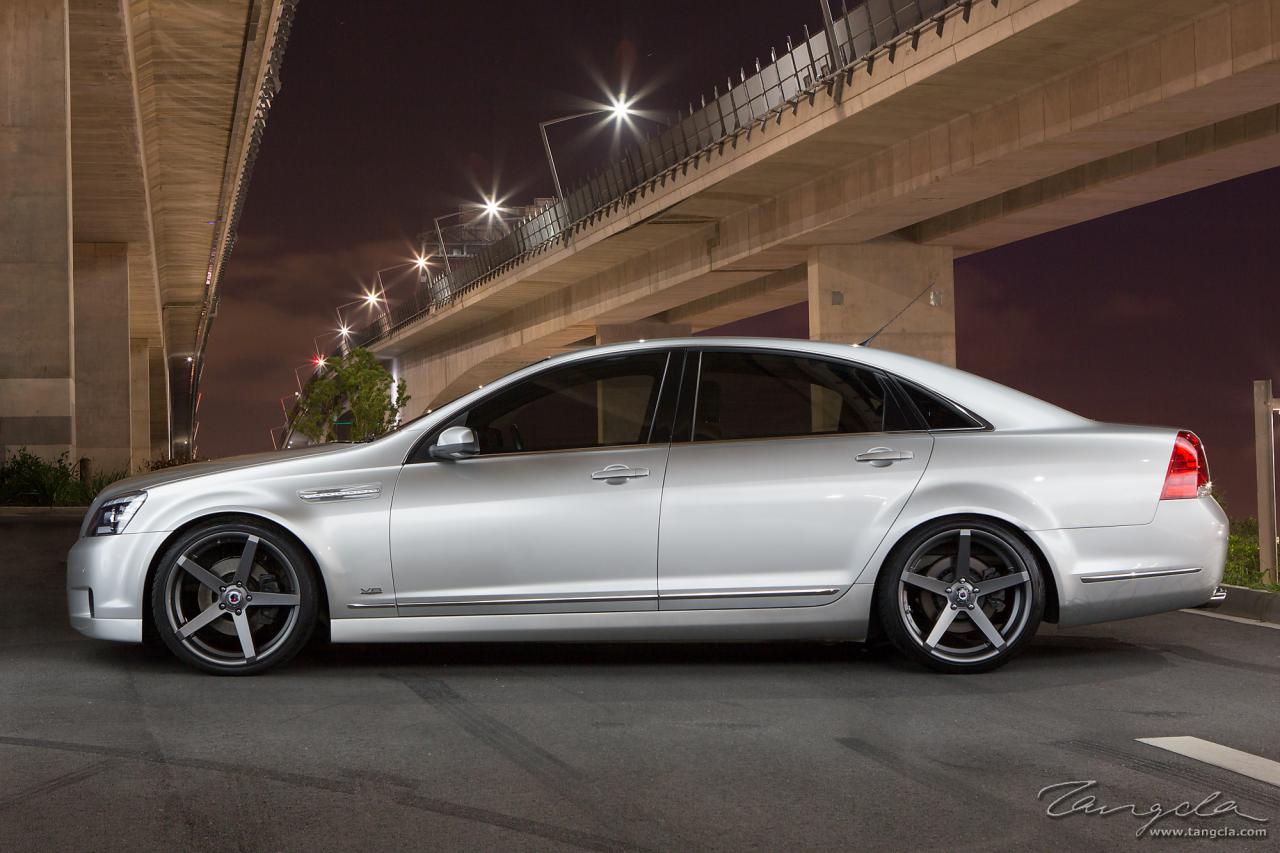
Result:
394,112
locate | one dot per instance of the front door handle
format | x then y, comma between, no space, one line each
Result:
618,473
879,457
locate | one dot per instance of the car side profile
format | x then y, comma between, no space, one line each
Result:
686,489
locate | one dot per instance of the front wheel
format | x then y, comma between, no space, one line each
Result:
961,595
234,598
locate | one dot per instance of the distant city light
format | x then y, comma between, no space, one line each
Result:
344,331
371,298
421,262
492,207
318,360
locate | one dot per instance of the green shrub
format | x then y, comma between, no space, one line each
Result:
1242,556
26,479
82,493
29,480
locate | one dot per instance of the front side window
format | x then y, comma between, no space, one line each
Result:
753,395
600,403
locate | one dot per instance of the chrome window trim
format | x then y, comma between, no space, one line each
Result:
811,437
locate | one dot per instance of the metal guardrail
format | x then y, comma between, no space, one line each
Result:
858,37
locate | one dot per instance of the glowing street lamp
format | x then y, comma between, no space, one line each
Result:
490,206
619,109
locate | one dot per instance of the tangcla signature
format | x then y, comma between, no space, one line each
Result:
1212,806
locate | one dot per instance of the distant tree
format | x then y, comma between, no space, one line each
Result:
357,384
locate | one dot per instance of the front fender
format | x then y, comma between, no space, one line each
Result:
348,539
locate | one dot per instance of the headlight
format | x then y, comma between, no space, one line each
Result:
114,515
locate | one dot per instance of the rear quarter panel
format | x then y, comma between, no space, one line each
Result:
1093,475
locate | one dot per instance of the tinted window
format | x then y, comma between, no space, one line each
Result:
938,413
596,404
751,395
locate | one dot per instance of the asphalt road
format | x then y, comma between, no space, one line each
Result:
660,747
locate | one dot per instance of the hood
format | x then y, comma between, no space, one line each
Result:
217,466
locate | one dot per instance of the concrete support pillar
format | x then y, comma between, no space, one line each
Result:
159,395
102,370
139,404
854,290
37,392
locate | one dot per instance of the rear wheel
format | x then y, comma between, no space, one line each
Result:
234,598
961,595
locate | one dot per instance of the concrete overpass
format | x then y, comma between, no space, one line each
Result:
985,124
129,130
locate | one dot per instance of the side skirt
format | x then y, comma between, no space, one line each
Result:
843,619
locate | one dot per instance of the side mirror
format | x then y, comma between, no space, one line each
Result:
457,442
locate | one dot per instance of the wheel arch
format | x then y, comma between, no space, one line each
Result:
874,629
148,618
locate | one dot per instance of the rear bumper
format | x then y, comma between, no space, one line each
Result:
1108,573
105,580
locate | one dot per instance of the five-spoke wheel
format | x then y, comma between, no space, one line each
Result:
961,595
234,598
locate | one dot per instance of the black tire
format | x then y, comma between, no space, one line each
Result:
949,617
203,597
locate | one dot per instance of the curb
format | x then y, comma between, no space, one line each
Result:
42,514
1248,603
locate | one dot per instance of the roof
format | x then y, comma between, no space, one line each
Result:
1004,407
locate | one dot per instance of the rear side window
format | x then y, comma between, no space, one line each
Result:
938,413
745,395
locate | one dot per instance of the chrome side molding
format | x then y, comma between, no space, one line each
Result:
600,599
485,602
1138,575
341,493
755,593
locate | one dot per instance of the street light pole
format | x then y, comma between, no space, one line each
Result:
620,109
490,207
1265,405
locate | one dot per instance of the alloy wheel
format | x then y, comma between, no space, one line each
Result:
965,595
232,598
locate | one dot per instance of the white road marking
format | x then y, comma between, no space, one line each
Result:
1227,616
1244,763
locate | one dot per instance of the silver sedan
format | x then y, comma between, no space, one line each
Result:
694,489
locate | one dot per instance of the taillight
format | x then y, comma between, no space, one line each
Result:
1188,468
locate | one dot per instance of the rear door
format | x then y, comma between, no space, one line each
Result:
785,473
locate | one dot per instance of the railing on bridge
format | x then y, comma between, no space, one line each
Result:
872,29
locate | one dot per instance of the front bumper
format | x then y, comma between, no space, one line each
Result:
1108,573
106,580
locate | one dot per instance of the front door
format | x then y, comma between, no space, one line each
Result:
559,510
794,470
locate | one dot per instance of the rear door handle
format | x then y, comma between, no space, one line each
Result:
619,472
882,456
